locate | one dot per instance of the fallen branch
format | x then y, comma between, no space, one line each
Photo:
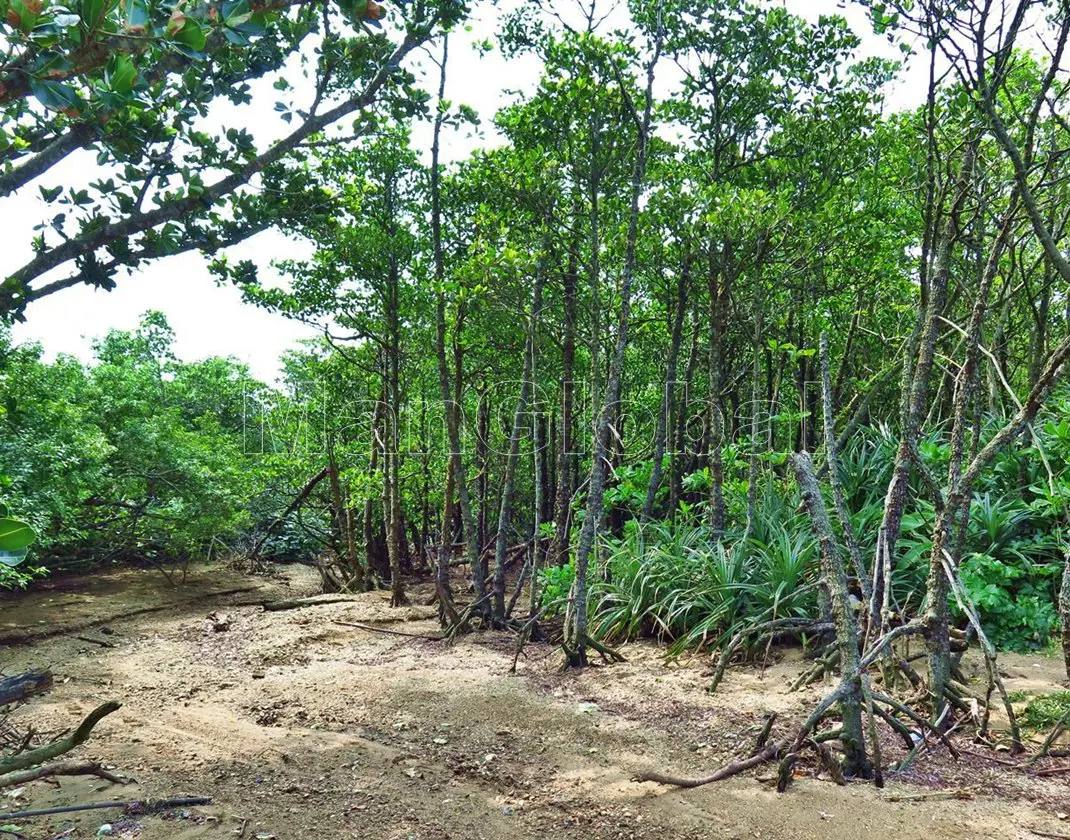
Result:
402,619
928,797
30,758
104,643
314,601
1053,834
133,806
1053,771
390,632
1017,765
60,768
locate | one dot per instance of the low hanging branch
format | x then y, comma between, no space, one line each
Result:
299,500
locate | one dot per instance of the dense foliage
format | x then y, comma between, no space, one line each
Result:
586,355
135,458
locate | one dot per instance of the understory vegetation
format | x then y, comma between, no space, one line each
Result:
140,458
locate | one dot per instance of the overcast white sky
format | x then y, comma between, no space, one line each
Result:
210,320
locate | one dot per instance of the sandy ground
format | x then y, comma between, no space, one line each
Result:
299,727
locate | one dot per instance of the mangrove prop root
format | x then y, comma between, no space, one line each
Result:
829,763
526,631
607,653
463,623
60,746
736,767
785,772
871,732
1056,731
897,726
763,737
777,625
576,657
918,719
824,665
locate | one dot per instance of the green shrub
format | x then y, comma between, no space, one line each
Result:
555,583
1047,710
679,584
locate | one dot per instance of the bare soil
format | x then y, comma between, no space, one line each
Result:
298,727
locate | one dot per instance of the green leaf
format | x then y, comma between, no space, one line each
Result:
15,535
47,195
54,95
12,558
122,74
236,13
191,35
27,17
93,12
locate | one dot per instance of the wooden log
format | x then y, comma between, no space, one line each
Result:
60,768
312,601
19,687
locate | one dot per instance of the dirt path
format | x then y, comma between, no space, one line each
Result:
302,728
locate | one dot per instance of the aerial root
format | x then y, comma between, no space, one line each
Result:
528,630
463,624
762,740
825,664
1056,731
576,652
787,752
766,628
